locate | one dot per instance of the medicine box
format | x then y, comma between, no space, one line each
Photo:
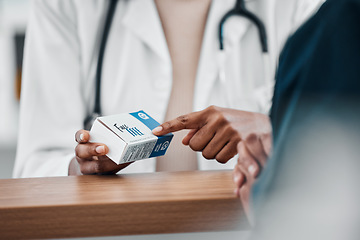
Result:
129,137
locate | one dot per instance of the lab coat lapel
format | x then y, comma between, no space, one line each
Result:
209,65
143,20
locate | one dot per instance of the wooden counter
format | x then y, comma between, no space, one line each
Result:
130,204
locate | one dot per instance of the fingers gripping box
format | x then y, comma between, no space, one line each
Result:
129,137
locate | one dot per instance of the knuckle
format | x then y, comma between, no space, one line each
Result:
208,155
212,108
220,119
236,139
222,159
230,131
252,138
183,119
195,146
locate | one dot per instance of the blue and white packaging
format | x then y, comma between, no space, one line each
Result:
129,137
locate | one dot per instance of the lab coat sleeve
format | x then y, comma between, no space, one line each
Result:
52,106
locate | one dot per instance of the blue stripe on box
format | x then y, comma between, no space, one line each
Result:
163,142
161,145
145,119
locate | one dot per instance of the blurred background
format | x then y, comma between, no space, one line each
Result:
13,19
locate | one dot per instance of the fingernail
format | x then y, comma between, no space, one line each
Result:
157,129
252,170
100,149
236,178
81,137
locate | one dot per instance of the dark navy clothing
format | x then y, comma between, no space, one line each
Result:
316,100
322,58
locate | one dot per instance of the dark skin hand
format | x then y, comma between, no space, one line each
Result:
91,157
221,133
216,131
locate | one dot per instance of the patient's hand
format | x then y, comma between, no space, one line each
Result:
217,131
91,157
253,154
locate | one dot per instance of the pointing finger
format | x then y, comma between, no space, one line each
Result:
188,121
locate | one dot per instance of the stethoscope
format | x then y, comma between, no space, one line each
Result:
266,92
239,10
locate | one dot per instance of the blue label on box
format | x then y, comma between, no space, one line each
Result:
161,145
163,142
145,119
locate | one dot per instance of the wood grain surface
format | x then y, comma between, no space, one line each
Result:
127,204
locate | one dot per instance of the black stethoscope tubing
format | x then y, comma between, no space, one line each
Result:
97,106
238,10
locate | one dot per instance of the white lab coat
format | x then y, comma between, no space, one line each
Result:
60,62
